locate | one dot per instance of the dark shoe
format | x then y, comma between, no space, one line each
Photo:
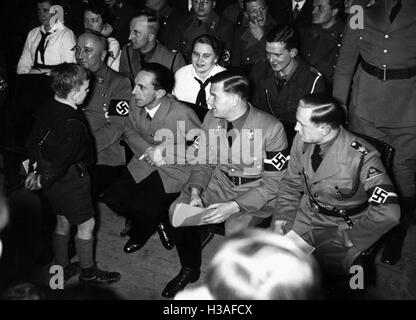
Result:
71,270
127,227
132,245
393,250
99,277
185,276
165,236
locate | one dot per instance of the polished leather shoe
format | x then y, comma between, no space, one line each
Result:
132,245
393,251
165,236
185,277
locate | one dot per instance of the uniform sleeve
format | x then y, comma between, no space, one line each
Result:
291,188
346,63
179,62
26,61
383,212
67,45
112,130
276,150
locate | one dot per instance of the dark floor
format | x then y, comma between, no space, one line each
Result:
146,272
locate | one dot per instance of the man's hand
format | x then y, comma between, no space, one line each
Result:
32,182
279,227
255,30
196,200
153,156
221,212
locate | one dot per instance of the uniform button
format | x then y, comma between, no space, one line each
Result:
316,195
384,66
230,161
152,135
385,51
248,59
339,45
211,148
386,36
232,170
361,37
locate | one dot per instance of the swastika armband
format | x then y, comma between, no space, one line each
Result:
119,108
276,161
360,148
382,194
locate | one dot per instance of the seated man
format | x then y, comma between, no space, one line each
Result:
238,170
149,184
106,109
284,78
336,193
250,41
145,48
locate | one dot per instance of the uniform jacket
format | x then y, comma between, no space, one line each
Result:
106,111
190,29
121,14
351,173
247,50
140,135
380,43
281,11
261,138
320,47
169,20
171,60
283,103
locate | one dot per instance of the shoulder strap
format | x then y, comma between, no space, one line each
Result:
173,61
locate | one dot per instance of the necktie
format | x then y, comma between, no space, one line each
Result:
280,82
229,137
201,99
316,158
395,10
40,49
296,11
148,116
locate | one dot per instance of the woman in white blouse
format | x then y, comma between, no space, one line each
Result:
96,18
192,82
49,44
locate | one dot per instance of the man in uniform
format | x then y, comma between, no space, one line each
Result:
321,42
169,19
121,13
280,82
336,194
204,20
383,96
241,158
106,109
144,47
149,184
296,13
250,41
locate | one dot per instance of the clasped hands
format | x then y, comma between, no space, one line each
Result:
218,212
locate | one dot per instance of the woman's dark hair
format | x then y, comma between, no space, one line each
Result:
163,77
100,9
67,77
210,40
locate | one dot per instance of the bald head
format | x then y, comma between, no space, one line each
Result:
91,50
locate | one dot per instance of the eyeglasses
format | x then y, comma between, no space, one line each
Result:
256,11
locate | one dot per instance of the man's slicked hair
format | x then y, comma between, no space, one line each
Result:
325,109
234,82
284,34
163,77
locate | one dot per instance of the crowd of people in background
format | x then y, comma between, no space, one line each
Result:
85,87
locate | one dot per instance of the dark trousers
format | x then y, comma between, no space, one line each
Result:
188,246
102,177
146,203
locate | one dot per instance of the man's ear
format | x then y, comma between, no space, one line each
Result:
160,93
103,55
325,129
334,12
152,36
293,52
